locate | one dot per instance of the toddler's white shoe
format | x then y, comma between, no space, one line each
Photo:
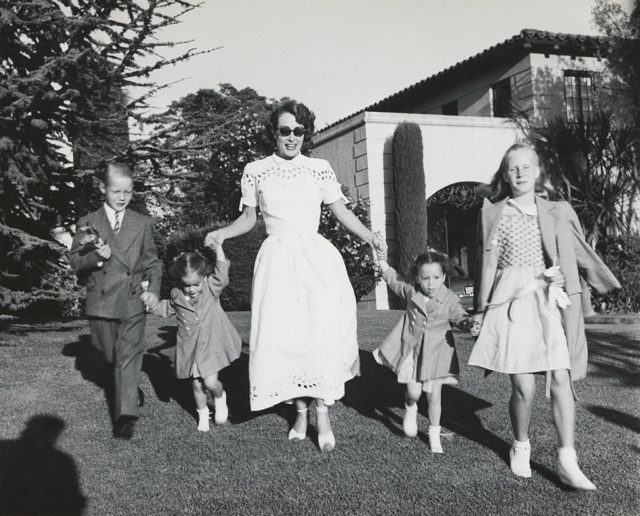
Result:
203,420
569,472
434,439
409,421
222,411
519,456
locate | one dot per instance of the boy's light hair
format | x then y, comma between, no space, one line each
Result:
114,169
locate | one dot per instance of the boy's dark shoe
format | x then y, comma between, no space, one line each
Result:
124,427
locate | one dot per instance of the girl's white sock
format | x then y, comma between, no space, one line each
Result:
434,439
203,419
222,411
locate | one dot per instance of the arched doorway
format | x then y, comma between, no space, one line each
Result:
452,214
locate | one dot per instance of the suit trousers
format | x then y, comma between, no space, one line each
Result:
122,345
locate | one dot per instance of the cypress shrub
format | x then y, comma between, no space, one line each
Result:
410,195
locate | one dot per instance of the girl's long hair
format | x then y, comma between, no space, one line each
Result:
500,189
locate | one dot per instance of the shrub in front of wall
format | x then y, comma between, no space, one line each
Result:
357,255
621,256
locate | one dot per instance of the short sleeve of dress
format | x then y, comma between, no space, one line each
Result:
248,188
331,189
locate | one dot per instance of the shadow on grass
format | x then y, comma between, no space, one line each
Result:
158,364
36,477
614,356
376,392
615,416
93,367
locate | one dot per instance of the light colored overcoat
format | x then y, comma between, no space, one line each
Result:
563,244
420,347
206,336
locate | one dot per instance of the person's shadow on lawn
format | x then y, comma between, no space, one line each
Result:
36,477
92,366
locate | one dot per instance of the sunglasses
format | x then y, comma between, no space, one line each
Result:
286,131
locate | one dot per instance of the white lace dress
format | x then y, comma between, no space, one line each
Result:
303,313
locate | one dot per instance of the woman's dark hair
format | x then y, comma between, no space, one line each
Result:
500,189
187,263
428,257
303,116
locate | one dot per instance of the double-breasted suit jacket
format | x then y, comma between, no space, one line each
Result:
116,314
113,285
563,244
420,347
206,337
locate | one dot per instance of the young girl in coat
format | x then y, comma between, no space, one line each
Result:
528,302
420,349
206,341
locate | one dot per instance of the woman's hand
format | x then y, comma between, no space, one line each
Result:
214,239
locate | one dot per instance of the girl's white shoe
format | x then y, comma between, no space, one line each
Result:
294,435
569,471
409,421
203,419
519,456
434,439
326,440
222,410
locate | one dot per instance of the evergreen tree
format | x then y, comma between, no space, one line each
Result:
410,194
65,66
198,149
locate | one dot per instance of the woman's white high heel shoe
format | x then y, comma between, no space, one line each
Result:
326,440
294,434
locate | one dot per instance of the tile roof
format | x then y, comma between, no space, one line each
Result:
527,41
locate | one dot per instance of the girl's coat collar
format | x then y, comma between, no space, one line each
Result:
429,304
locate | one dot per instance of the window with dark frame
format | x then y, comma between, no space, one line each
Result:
578,95
501,98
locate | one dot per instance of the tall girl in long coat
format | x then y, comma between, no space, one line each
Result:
529,249
207,340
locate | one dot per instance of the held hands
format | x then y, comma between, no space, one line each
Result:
149,300
214,239
379,246
475,323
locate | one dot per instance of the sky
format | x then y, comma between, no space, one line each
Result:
339,56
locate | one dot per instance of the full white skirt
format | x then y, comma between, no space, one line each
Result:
303,322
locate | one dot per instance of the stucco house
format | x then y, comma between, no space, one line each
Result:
464,116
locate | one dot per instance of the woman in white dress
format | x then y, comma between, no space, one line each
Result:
303,343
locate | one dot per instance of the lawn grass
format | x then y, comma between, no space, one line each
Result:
249,466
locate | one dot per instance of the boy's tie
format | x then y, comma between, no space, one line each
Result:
116,225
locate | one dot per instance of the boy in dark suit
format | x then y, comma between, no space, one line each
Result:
121,256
